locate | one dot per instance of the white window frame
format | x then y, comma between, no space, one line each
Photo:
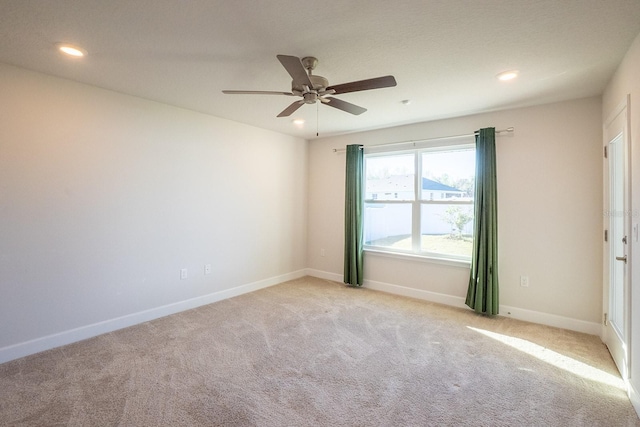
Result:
416,204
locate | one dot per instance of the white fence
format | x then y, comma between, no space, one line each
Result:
394,219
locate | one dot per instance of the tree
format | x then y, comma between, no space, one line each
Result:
465,184
457,218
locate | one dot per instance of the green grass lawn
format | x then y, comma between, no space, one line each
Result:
430,243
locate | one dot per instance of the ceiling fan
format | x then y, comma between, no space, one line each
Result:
312,88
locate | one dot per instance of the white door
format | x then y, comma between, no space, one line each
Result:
617,223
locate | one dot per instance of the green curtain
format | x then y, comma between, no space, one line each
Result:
353,221
482,295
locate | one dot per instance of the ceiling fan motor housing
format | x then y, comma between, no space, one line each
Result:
318,83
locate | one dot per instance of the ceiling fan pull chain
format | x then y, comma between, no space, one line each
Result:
317,119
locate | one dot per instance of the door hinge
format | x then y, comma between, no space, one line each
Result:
605,152
606,235
606,321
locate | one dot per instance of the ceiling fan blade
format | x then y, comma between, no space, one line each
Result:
344,106
256,92
296,70
376,83
291,108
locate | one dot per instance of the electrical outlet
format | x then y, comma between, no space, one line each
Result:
207,269
321,252
524,281
183,273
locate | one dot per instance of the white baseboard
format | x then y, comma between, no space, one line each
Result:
325,275
634,397
48,342
416,293
591,328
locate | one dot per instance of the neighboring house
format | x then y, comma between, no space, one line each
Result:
400,187
434,190
394,219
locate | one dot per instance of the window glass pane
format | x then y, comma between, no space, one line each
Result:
446,229
448,175
390,177
388,225
443,196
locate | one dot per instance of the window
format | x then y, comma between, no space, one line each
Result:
429,213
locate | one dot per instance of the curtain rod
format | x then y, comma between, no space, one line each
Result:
414,141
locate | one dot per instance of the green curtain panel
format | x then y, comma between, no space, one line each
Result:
353,221
482,295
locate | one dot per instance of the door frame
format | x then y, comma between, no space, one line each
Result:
617,123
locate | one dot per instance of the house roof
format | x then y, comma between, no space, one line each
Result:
402,183
429,184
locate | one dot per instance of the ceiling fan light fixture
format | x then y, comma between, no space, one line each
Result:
71,50
298,122
507,75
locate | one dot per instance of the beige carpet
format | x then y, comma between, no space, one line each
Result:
314,353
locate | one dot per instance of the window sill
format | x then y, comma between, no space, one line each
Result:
419,258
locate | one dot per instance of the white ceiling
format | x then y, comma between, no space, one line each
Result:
444,54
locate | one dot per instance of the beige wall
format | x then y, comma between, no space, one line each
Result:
104,198
550,211
626,82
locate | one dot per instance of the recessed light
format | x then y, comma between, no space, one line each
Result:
508,75
71,50
406,101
